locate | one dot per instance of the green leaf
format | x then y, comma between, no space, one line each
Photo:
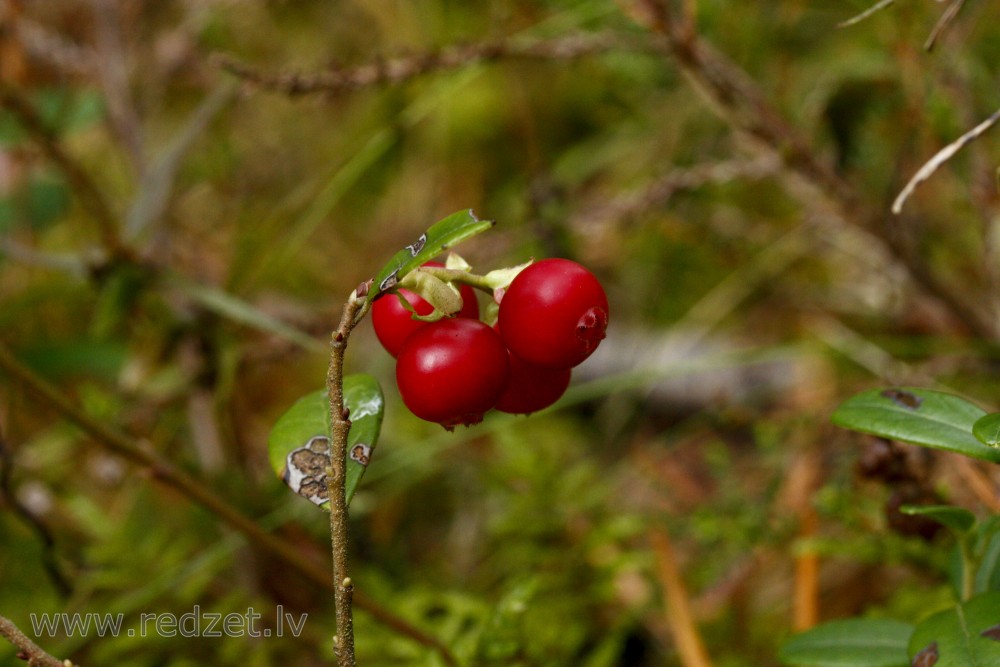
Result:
988,575
363,397
237,310
442,235
957,519
918,416
987,429
299,444
853,642
967,634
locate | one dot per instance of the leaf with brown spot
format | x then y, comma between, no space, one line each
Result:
928,657
991,633
964,635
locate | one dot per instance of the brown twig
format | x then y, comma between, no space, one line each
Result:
28,650
199,492
339,80
340,426
659,191
690,646
91,198
740,101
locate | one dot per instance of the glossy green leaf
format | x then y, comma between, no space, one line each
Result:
298,446
363,397
918,416
987,429
957,519
967,634
442,235
853,642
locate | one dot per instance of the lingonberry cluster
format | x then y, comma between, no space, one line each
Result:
551,317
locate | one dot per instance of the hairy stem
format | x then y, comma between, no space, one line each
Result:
27,649
340,425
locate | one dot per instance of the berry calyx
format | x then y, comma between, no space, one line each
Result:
452,371
554,314
394,323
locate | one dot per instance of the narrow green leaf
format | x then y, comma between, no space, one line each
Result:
918,416
853,642
957,519
967,634
442,235
237,310
988,575
987,429
299,445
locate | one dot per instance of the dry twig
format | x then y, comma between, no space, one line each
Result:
28,650
949,15
882,4
339,80
741,103
941,157
91,198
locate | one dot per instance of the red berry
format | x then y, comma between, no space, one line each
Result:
394,323
532,388
452,371
554,314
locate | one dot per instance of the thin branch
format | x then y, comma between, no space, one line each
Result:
740,102
91,198
52,48
659,191
48,558
199,492
949,15
340,426
941,157
339,80
112,70
882,4
27,649
157,182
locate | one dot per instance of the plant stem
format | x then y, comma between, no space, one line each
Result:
28,650
340,425
200,492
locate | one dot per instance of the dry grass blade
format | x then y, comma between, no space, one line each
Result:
882,4
946,18
940,158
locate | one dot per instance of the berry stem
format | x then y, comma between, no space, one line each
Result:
459,276
340,425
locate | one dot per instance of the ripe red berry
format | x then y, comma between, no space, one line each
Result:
531,388
452,371
554,314
394,323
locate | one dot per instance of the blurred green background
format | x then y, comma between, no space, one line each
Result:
746,303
